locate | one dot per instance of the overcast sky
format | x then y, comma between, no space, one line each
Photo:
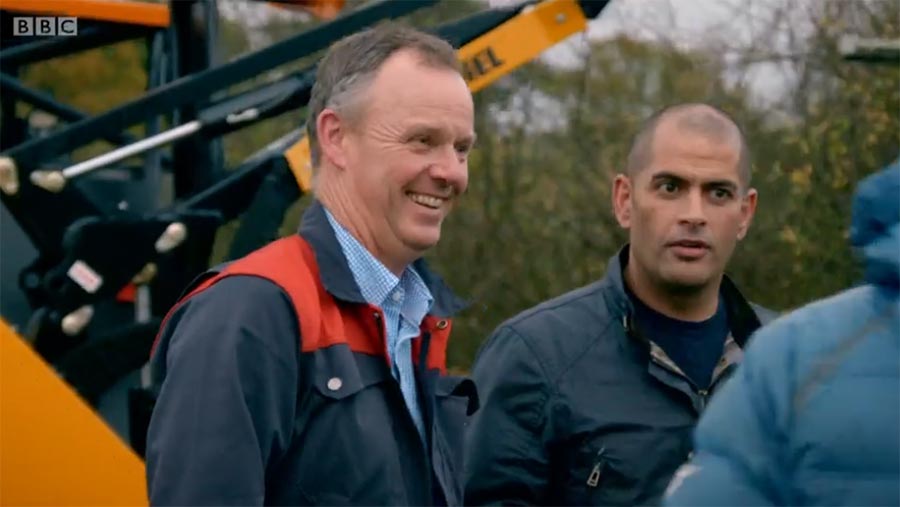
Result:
721,24
686,23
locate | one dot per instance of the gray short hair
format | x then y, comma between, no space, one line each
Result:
703,119
353,61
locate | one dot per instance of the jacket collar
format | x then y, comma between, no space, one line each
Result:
742,319
337,277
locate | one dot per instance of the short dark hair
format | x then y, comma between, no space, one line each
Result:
701,118
354,60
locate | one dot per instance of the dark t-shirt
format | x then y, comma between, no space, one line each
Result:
695,347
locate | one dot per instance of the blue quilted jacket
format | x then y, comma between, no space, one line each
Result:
812,416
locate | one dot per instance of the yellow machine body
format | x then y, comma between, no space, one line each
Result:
119,11
54,450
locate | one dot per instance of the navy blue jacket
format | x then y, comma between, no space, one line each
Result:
812,417
579,408
274,388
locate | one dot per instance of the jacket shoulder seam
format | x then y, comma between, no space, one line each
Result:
286,297
581,352
551,379
537,358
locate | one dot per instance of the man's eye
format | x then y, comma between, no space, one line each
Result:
721,194
422,139
669,187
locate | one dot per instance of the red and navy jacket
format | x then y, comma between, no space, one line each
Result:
273,387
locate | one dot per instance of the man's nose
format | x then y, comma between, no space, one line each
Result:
693,211
451,169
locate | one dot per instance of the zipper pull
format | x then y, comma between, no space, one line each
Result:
704,398
594,478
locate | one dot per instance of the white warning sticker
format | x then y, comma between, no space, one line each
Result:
85,277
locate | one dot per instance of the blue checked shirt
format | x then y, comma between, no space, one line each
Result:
404,301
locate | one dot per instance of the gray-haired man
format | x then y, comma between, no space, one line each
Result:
311,372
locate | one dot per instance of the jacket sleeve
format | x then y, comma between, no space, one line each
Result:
506,461
226,403
741,439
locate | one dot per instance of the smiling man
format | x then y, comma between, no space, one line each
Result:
590,398
311,372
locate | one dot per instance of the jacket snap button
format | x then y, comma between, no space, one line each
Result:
334,383
442,324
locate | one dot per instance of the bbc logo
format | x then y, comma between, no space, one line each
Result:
44,26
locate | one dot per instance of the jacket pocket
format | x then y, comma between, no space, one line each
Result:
340,374
598,477
349,449
455,399
458,388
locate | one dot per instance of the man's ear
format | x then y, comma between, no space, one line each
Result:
622,200
332,131
748,209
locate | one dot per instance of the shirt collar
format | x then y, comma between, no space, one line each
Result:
376,282
336,275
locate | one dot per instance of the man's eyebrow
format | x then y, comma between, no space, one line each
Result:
666,175
728,184
430,128
422,127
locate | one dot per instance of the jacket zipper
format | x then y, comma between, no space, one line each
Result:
594,477
704,397
703,393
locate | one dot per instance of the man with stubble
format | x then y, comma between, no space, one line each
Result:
590,398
